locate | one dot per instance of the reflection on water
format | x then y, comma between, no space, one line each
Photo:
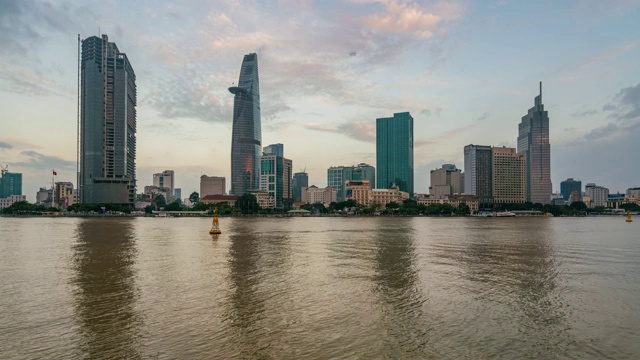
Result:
105,292
398,287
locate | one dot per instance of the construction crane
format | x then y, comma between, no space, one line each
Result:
4,168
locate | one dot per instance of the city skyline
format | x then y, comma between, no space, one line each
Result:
320,100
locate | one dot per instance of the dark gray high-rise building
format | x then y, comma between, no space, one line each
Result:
478,173
300,180
394,152
533,142
568,186
107,124
246,135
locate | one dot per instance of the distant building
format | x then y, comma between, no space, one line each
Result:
394,152
108,124
64,195
337,177
10,200
360,191
300,180
315,195
508,179
262,197
598,195
575,196
478,174
446,181
276,176
533,143
43,196
214,199
10,184
568,186
246,137
633,194
165,180
177,193
454,200
212,185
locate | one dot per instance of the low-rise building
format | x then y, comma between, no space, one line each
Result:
10,200
360,191
263,199
214,199
454,200
598,195
315,195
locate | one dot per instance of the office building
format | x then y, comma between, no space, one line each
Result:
64,195
338,176
177,193
446,181
10,200
394,152
10,184
165,180
568,186
478,174
107,124
300,180
315,195
246,138
212,185
508,180
598,195
533,143
276,176
43,196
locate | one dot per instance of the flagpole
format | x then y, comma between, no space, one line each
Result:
53,190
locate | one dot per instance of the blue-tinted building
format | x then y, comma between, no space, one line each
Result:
246,137
568,186
394,152
300,180
108,124
10,184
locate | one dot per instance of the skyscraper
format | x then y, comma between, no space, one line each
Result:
107,124
246,138
10,184
275,176
394,152
478,176
337,177
300,180
508,176
533,143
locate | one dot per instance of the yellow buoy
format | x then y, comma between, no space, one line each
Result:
215,229
629,218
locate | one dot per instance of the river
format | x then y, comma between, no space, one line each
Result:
320,288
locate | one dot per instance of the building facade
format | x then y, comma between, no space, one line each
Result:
64,195
44,196
107,124
246,138
314,195
394,152
338,176
360,191
10,200
300,180
598,195
10,184
276,176
212,185
446,181
165,180
533,143
508,185
568,186
478,173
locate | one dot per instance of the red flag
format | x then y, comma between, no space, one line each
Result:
55,173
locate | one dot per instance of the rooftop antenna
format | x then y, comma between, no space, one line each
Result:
541,91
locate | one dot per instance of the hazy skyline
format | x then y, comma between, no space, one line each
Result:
466,71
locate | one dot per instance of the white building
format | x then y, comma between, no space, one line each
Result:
598,195
165,179
8,201
314,195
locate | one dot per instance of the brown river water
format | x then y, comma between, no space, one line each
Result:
320,288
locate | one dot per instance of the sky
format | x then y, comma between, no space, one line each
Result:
467,71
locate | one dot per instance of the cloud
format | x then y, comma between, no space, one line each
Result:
484,116
626,104
594,66
445,137
36,160
584,113
5,145
359,130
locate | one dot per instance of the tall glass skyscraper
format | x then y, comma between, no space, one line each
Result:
300,180
10,184
394,152
246,135
533,142
107,124
478,173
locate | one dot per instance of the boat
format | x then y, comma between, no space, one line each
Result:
504,214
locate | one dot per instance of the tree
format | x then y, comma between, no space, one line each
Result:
463,209
160,201
174,206
392,205
578,205
194,197
149,209
247,204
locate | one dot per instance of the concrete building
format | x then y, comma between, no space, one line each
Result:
394,152
575,196
263,199
246,137
314,195
598,195
10,200
454,200
212,185
300,180
64,195
214,199
633,195
10,184
446,181
478,174
165,180
508,180
533,143
359,191
107,125
337,177
276,176
44,196
569,186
